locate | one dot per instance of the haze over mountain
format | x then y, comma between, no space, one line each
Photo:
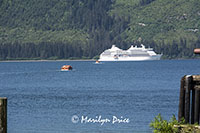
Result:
63,29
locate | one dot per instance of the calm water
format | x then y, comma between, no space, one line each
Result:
42,99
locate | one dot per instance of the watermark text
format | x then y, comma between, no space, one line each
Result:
100,120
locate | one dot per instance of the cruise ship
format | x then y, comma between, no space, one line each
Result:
134,53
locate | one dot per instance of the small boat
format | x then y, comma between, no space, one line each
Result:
66,68
97,62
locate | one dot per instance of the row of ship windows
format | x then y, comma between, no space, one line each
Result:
132,55
138,52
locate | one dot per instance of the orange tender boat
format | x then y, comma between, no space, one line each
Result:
66,68
97,62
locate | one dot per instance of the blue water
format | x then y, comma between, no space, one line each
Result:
43,99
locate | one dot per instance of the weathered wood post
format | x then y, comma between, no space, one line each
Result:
193,106
191,113
196,83
197,95
181,100
188,80
196,107
3,115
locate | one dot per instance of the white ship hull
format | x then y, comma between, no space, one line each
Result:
156,57
132,54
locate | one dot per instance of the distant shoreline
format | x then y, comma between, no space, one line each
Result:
44,60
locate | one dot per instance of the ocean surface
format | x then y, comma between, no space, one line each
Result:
43,99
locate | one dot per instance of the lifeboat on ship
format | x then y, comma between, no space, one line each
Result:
66,68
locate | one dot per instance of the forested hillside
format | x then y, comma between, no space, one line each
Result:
69,29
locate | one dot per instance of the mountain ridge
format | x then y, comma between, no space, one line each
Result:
171,27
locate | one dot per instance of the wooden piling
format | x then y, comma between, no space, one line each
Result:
181,100
189,104
3,115
188,81
193,106
196,106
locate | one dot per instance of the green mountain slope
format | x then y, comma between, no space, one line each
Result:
37,21
84,28
160,20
